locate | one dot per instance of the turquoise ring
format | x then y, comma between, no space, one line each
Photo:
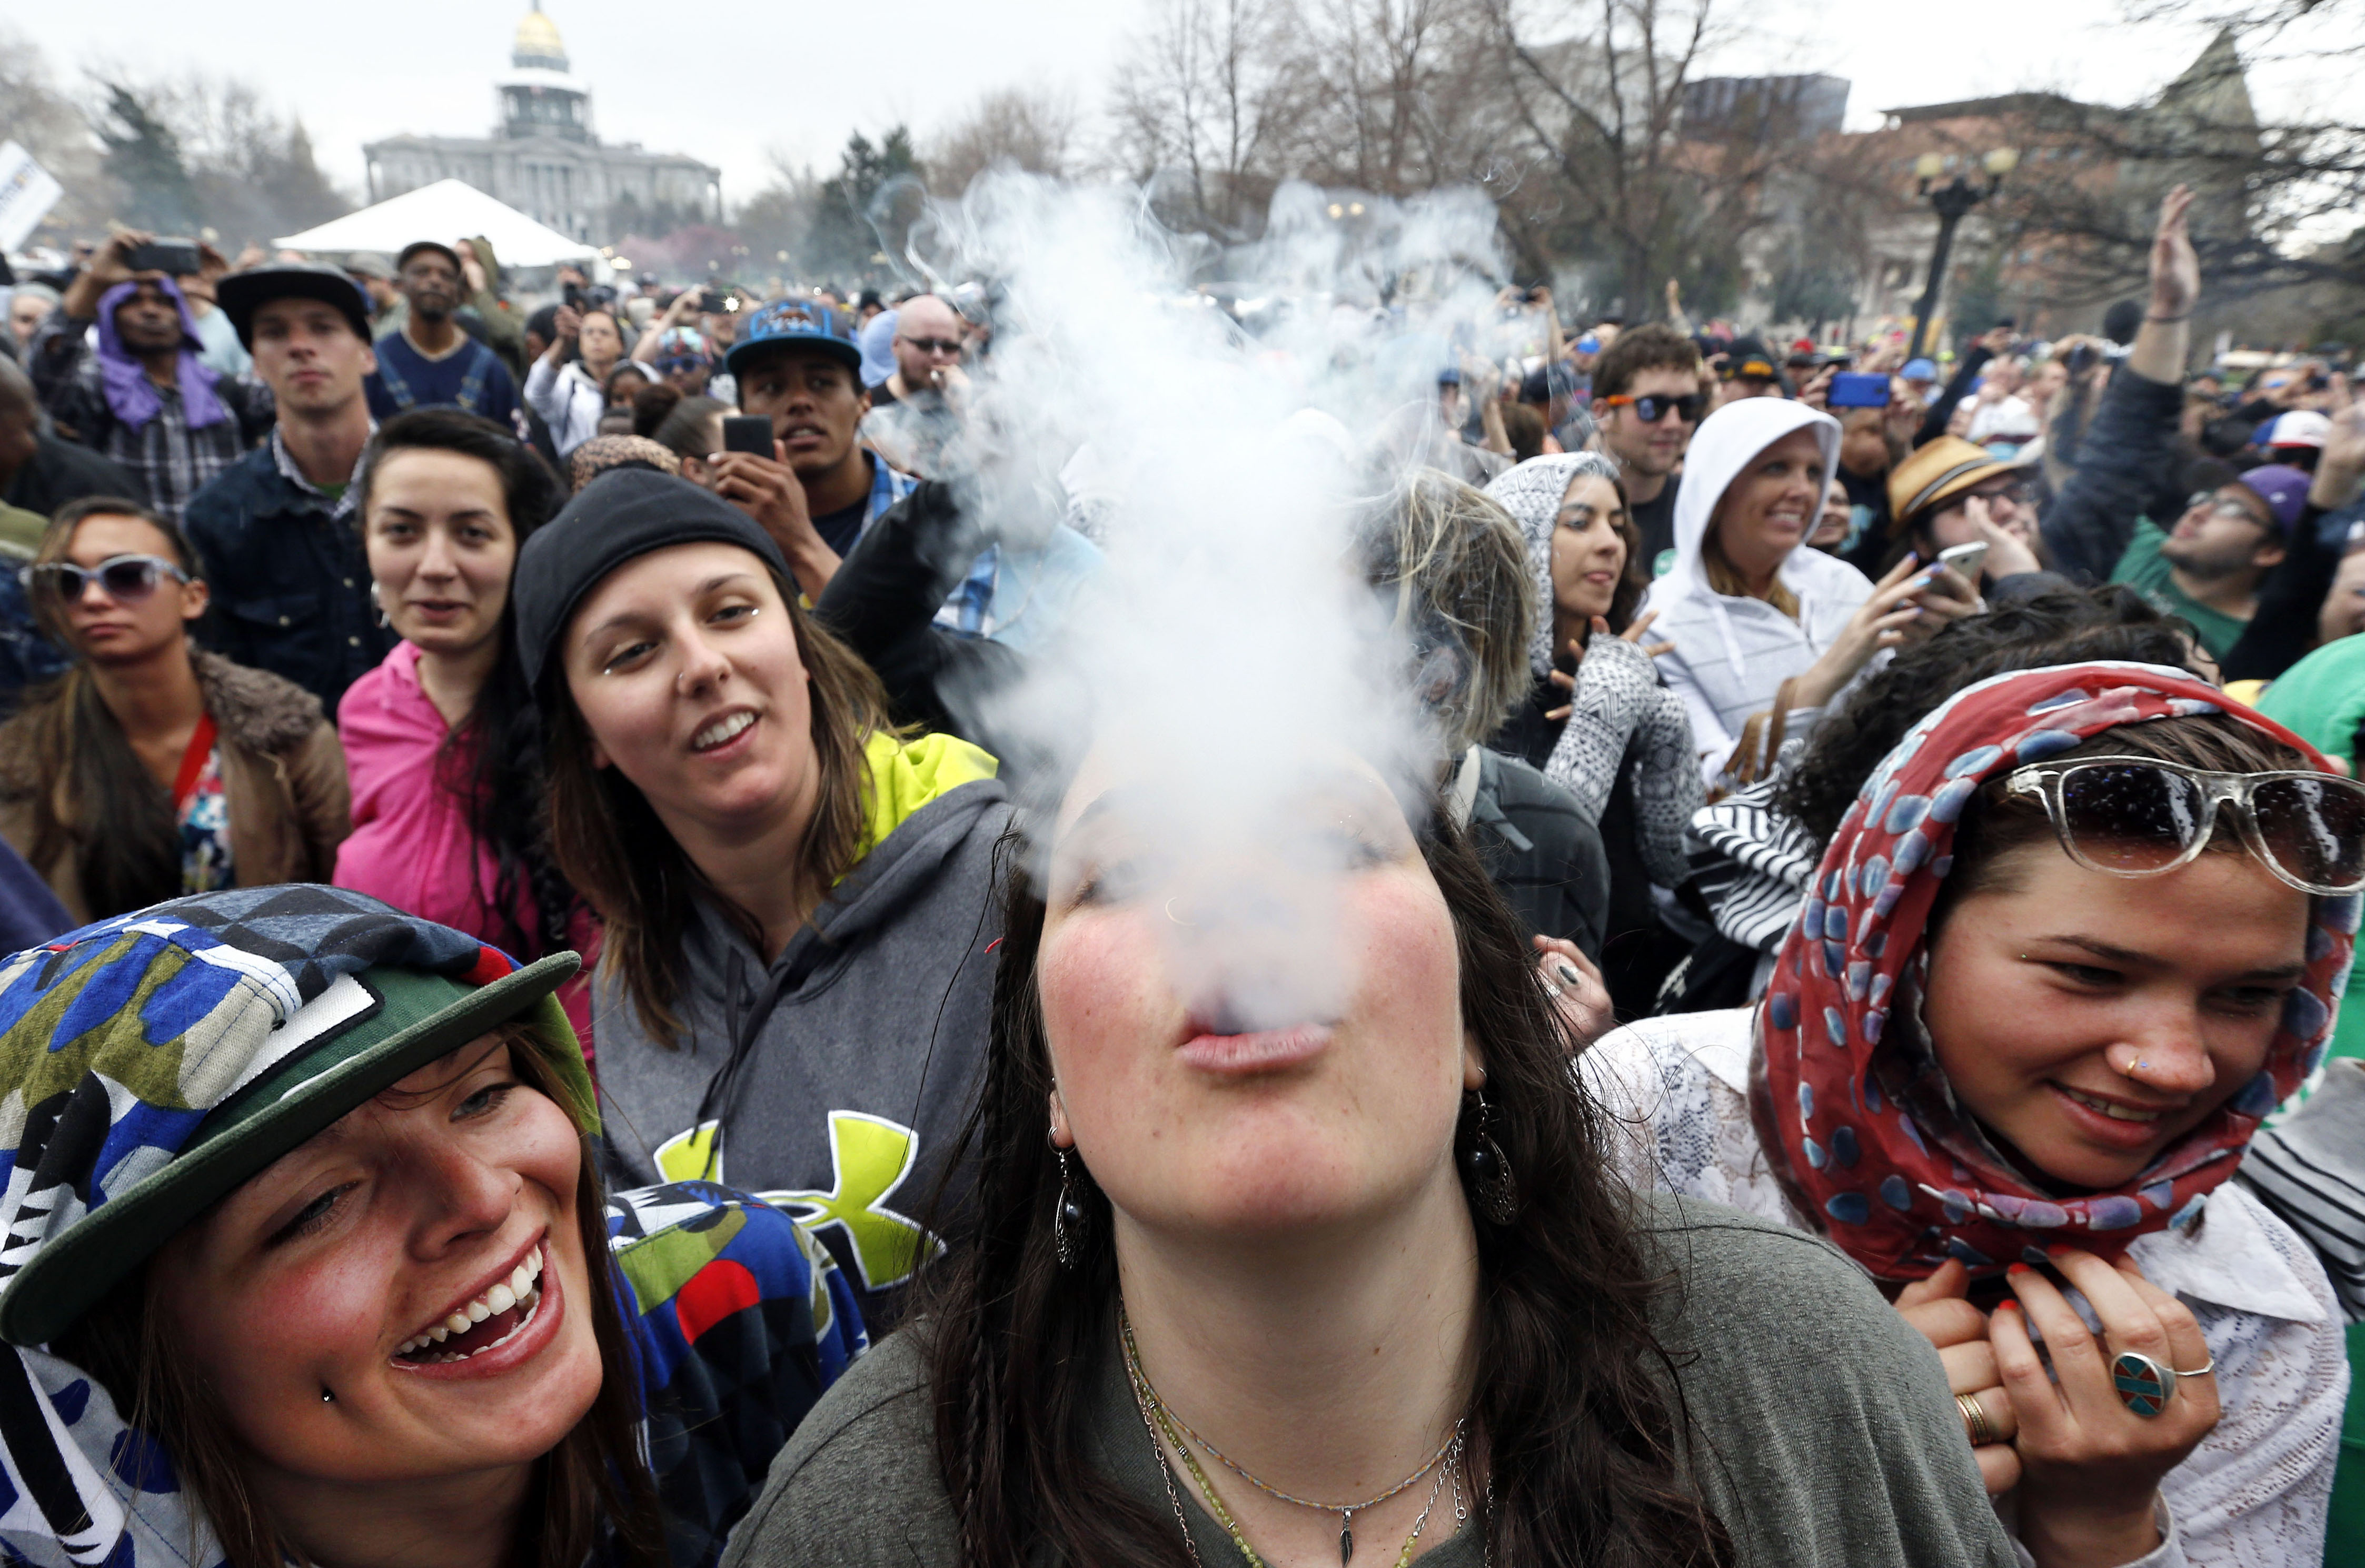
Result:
2144,1385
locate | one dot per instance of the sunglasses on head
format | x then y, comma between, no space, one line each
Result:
2221,506
1651,406
126,579
936,345
2134,817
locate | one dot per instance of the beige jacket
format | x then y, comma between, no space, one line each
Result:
283,775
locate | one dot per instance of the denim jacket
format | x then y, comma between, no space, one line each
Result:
290,582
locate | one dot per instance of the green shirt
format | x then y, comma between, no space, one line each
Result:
2322,700
1822,1433
2143,569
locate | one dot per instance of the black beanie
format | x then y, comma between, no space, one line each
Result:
619,516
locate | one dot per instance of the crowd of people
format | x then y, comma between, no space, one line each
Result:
550,1024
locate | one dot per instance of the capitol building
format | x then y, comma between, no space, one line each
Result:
544,160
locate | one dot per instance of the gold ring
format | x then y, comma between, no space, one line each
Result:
1975,1424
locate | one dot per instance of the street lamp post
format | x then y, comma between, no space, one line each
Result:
1952,201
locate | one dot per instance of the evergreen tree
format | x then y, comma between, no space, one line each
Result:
850,223
143,157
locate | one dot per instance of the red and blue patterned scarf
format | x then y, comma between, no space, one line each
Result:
1850,1105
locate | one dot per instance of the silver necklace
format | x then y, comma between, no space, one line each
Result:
1452,1470
1148,1394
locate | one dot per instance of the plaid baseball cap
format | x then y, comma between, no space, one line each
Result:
798,323
151,1063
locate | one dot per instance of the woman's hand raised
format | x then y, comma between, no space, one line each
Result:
2091,1467
1895,614
1633,633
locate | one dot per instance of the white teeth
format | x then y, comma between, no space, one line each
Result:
2116,1113
722,730
518,1289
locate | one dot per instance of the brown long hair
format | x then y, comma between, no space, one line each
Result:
610,845
95,799
1583,1438
595,1477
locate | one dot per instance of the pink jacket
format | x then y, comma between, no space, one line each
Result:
410,843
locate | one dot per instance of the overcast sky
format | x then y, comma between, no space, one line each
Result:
728,84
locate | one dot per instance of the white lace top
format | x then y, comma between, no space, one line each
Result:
2255,1494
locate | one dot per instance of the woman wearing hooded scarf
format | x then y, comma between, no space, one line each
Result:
1609,732
1746,607
2084,927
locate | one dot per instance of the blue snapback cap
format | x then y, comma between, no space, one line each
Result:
794,323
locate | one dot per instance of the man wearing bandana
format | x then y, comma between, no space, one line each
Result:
141,398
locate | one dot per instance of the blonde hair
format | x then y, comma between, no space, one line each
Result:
1726,579
1455,567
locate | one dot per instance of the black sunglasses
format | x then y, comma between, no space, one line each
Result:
126,579
936,345
1651,406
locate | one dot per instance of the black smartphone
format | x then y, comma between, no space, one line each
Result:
747,432
174,258
709,303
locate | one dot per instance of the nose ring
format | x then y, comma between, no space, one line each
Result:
1174,917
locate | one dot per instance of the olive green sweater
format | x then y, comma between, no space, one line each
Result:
1823,1434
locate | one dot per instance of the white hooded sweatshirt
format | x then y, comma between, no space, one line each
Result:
1732,653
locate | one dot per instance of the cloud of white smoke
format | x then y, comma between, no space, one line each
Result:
1232,660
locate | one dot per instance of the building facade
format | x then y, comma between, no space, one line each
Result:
545,158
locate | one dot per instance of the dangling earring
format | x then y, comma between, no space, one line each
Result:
379,605
1068,1220
1485,1170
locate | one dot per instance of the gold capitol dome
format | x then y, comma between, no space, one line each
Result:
538,42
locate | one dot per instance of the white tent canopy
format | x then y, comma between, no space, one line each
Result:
447,210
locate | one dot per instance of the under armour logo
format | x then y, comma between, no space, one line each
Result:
871,1158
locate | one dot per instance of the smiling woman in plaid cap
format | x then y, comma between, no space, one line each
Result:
306,1258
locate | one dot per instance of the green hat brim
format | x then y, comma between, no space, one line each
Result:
422,1016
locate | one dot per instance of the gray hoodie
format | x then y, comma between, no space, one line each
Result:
859,1048
1732,655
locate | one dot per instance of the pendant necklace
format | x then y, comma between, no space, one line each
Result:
1157,1414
